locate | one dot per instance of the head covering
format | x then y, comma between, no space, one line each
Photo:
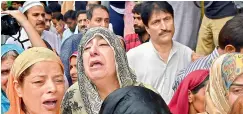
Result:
10,47
75,54
87,90
28,4
179,104
5,49
125,76
68,47
134,100
223,72
22,62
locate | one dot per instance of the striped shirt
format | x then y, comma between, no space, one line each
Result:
201,63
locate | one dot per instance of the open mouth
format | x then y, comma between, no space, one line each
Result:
95,64
50,104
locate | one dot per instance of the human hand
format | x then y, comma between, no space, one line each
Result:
195,56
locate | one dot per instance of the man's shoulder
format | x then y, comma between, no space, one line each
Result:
49,33
182,48
131,36
75,38
180,45
66,30
10,40
138,51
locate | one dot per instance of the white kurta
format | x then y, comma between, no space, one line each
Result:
150,69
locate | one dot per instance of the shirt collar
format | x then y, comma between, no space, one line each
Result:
173,50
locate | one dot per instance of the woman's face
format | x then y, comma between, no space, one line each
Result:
73,68
43,88
6,65
236,89
98,59
198,100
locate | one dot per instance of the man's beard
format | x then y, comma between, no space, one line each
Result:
140,30
73,29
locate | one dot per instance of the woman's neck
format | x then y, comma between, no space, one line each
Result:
105,88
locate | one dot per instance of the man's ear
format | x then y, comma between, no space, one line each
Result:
88,22
190,96
147,29
229,49
18,89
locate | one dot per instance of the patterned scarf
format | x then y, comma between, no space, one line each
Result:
223,72
126,77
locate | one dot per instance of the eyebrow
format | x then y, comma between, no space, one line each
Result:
236,84
5,70
56,76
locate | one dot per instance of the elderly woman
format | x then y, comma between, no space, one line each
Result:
102,68
73,67
9,53
225,83
36,83
189,98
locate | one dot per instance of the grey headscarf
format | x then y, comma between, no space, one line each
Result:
125,75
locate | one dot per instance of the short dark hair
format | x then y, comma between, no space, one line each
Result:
58,16
99,2
11,8
70,14
80,12
44,2
91,10
232,33
17,2
48,10
150,6
55,7
201,85
137,9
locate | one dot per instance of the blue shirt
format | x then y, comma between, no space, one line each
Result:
201,63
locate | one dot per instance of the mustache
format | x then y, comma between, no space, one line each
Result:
41,23
83,26
164,32
136,26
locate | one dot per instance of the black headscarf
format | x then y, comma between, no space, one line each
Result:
134,100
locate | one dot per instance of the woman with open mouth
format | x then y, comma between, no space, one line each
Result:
36,83
102,68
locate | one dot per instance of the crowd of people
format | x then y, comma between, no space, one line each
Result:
76,57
